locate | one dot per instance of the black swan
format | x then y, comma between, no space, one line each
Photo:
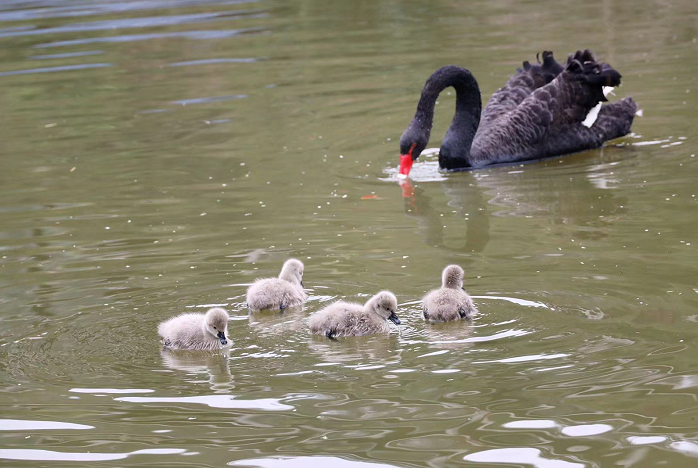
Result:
540,112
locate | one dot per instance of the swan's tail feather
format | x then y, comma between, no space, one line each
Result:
541,73
528,79
583,67
550,65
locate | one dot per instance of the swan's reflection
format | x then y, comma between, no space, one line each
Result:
212,365
466,197
575,191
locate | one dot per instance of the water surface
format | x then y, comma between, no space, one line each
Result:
159,156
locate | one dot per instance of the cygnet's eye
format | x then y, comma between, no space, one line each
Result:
214,327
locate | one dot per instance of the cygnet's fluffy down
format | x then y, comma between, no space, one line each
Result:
352,319
450,301
278,293
197,332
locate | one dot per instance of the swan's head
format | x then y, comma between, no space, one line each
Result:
452,277
412,143
292,271
216,324
385,305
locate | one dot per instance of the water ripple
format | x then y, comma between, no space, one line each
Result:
215,401
204,100
197,35
515,300
111,391
49,455
533,357
28,425
85,53
523,455
531,424
104,8
55,69
585,430
212,61
126,23
307,462
475,339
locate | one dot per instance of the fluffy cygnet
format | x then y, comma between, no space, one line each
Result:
450,301
278,293
352,319
196,331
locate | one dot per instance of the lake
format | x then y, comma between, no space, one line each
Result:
158,157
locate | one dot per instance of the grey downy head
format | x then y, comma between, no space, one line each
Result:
216,324
292,271
385,305
452,277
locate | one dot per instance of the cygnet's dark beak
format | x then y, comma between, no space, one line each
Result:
221,336
393,318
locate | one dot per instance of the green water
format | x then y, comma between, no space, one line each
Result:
157,157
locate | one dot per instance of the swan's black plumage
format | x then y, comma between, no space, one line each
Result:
538,113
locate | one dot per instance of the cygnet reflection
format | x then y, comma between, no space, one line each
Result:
266,322
201,366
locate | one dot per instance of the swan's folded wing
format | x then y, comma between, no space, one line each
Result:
613,121
516,135
526,80
548,122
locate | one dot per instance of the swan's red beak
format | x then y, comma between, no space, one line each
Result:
405,164
406,161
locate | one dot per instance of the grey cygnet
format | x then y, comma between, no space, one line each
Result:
450,301
198,332
278,293
352,319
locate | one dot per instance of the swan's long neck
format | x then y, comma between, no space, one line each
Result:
460,134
